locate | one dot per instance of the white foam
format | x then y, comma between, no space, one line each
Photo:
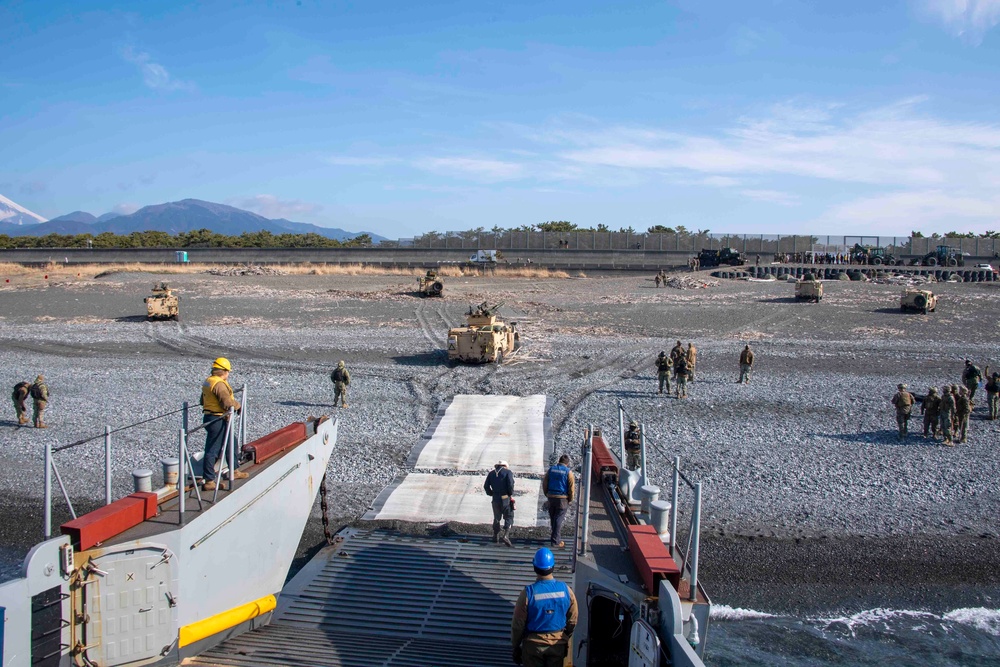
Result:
723,612
878,616
985,620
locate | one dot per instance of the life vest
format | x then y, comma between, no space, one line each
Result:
558,480
210,403
548,604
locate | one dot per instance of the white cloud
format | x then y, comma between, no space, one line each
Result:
967,19
475,168
154,75
125,208
270,206
902,212
771,196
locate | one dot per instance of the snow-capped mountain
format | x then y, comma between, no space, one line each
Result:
14,213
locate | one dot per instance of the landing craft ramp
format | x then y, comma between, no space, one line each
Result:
377,597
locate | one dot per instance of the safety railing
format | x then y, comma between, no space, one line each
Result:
235,437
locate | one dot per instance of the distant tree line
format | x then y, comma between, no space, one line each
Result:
199,238
957,235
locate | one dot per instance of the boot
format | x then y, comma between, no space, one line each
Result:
41,425
209,486
22,421
496,537
504,539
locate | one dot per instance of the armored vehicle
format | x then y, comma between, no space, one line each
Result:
162,305
918,300
431,284
726,256
484,339
808,289
942,256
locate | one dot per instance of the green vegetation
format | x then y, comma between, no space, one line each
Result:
199,238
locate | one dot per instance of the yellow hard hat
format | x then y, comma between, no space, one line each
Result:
222,363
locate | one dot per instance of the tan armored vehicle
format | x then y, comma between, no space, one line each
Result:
808,289
484,339
919,300
431,284
162,305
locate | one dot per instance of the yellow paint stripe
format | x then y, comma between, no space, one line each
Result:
227,619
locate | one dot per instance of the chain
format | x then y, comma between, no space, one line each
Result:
325,511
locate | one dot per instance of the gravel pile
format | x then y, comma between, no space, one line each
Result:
246,270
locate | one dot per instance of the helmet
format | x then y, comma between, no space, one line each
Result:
932,390
222,364
340,364
900,386
633,424
543,560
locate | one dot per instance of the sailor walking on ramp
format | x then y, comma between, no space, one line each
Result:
500,484
545,616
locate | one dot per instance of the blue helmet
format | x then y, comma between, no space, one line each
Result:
544,560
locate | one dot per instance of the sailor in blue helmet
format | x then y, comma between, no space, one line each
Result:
545,616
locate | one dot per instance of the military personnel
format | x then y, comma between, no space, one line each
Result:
633,446
746,364
341,379
20,396
993,394
217,399
676,352
39,400
663,368
929,409
663,278
903,400
971,375
963,408
692,359
499,485
545,616
657,279
946,411
682,372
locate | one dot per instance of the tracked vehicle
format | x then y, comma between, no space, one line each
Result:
484,339
163,304
430,284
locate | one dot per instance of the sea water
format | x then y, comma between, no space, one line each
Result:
881,637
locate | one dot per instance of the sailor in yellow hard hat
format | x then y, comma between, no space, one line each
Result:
216,400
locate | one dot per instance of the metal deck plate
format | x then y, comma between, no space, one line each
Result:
380,598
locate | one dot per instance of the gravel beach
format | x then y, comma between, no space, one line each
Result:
811,502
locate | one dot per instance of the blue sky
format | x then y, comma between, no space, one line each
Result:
402,117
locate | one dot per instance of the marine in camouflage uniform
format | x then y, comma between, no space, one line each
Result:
963,408
20,396
40,400
971,375
993,394
663,369
946,410
676,353
746,364
903,400
341,379
682,371
929,409
657,279
633,447
692,359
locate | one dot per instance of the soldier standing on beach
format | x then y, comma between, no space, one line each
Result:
657,279
682,371
341,379
692,359
963,408
946,411
971,375
903,400
929,409
993,394
20,396
40,400
663,371
746,364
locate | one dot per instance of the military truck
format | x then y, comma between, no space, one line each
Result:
918,300
430,284
943,255
484,339
726,256
162,304
869,254
808,289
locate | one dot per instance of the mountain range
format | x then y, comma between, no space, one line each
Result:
173,218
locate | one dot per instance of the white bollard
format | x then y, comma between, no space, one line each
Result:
648,493
659,518
171,471
143,479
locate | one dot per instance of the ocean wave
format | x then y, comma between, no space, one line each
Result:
980,618
721,612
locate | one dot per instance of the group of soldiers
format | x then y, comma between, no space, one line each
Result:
39,393
661,278
678,366
947,413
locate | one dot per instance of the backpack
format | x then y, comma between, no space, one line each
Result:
337,375
36,392
21,391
